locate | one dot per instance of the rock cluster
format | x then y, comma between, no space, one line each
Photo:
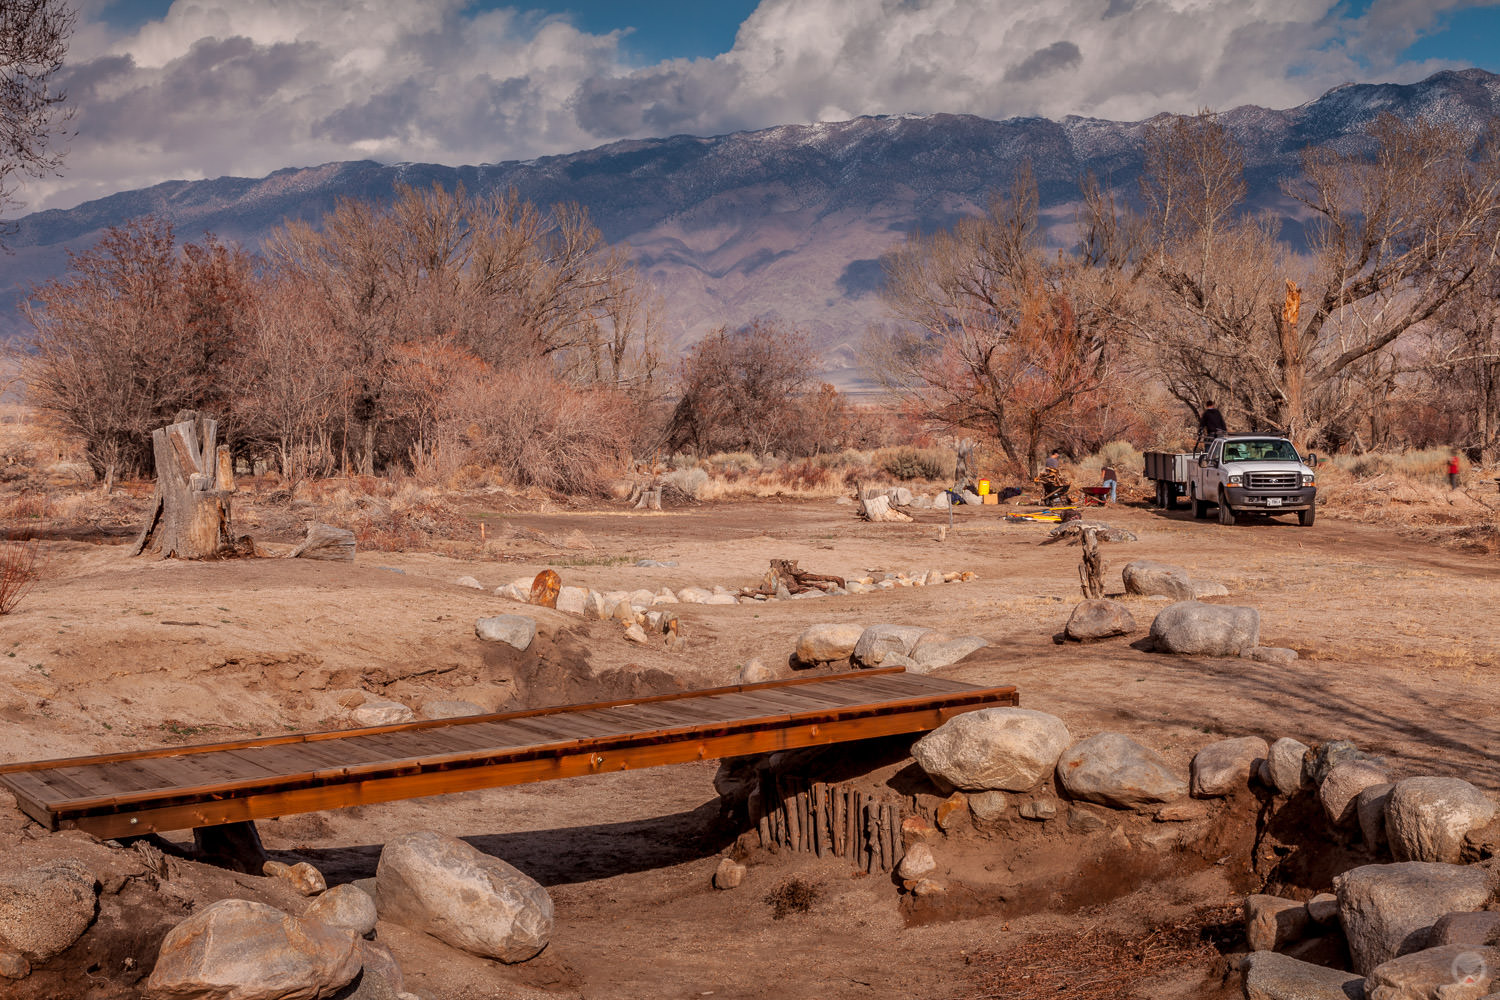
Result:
916,648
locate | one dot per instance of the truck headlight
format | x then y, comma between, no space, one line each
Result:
1310,480
1235,480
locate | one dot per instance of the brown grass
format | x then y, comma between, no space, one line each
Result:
1097,964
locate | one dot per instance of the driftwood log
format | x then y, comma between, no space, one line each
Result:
785,577
877,508
324,541
190,514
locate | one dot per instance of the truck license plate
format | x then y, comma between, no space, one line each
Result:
1273,501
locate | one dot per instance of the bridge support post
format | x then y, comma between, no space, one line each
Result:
235,846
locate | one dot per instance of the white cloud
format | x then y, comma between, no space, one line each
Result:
248,86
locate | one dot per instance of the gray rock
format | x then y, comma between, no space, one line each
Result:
694,595
1369,809
1276,656
1269,976
878,641
441,886
1284,766
43,910
729,875
513,630
827,642
1207,588
1324,909
664,596
1085,821
917,862
511,592
636,634
572,600
655,563
468,581
1318,762
1465,928
642,599
900,496
1388,910
1145,577
941,502
755,671
1272,923
971,498
238,949
344,906
1099,618
931,656
1224,767
718,599
1340,790
381,978
1426,818
1192,628
1010,749
1040,809
1114,770
13,965
302,876
381,712
454,709
594,607
1450,972
989,806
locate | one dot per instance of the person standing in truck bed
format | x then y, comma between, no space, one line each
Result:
1211,425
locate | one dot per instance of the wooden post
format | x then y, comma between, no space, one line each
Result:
1091,569
190,511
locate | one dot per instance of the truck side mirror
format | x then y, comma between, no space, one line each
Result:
1202,461
1312,460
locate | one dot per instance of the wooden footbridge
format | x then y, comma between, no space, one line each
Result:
209,785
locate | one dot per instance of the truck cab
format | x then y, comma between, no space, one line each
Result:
1252,473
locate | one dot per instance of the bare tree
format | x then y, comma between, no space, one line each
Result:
996,334
1393,234
33,40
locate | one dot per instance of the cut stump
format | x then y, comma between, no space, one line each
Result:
190,511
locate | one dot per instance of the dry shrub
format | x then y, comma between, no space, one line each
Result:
1096,964
795,895
27,505
907,463
18,570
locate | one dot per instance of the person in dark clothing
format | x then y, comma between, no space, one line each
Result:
1211,425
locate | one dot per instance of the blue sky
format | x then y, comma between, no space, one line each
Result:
203,88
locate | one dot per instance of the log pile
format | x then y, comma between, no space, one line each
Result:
829,820
784,579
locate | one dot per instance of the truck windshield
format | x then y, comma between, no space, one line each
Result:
1267,450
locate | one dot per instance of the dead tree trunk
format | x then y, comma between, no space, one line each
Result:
1091,569
190,512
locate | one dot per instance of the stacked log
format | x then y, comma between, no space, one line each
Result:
784,578
828,820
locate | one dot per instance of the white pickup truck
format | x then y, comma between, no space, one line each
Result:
1252,473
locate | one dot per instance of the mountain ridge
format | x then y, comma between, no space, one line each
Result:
787,222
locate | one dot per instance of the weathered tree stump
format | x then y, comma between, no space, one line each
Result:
545,588
1091,569
324,541
877,508
190,511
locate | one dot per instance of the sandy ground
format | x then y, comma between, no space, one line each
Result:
1398,653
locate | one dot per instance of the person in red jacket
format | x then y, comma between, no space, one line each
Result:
1453,473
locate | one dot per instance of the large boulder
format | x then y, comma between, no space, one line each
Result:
828,642
1193,628
1272,923
572,600
1009,749
879,641
345,906
1369,807
1099,618
1388,910
1449,972
1339,792
1154,579
1271,976
513,630
1284,769
930,656
1114,770
1426,818
43,910
1225,767
440,885
381,712
238,949
1465,928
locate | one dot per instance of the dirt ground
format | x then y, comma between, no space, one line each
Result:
1398,653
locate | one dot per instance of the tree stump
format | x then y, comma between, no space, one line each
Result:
326,542
190,511
877,508
545,588
1091,569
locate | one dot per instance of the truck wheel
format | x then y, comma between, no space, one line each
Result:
1226,513
1305,517
1200,508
